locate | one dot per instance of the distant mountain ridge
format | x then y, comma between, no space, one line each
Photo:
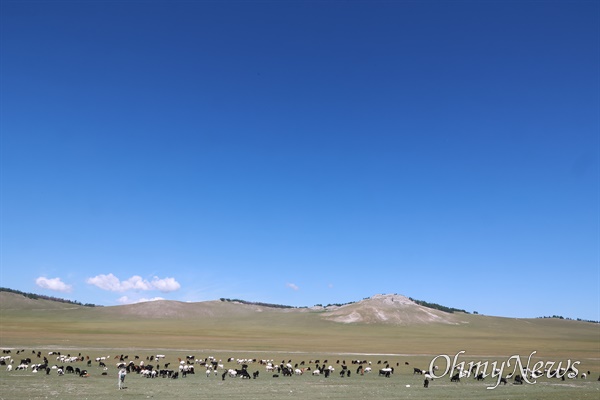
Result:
380,309
392,309
35,296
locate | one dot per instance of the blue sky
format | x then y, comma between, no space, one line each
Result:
303,152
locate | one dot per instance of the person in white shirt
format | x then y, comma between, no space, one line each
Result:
122,374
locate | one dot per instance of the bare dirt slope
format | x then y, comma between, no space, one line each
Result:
391,309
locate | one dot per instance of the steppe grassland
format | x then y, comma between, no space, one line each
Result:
284,336
27,385
307,332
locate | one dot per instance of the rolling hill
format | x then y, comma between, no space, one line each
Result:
379,324
390,309
15,301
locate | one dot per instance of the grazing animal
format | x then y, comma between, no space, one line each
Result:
385,372
243,373
417,371
455,378
426,383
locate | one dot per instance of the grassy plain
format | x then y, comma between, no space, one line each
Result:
226,330
37,386
304,331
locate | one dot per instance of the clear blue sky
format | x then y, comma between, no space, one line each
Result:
303,152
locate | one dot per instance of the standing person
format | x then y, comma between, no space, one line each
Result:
122,374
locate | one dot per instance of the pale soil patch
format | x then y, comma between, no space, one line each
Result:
389,309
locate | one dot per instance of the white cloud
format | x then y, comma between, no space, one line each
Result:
165,285
136,282
53,284
292,286
106,282
127,300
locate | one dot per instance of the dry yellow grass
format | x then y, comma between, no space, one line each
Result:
232,326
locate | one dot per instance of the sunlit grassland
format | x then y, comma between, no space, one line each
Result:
229,330
402,384
225,330
284,331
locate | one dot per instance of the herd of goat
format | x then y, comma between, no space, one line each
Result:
155,366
